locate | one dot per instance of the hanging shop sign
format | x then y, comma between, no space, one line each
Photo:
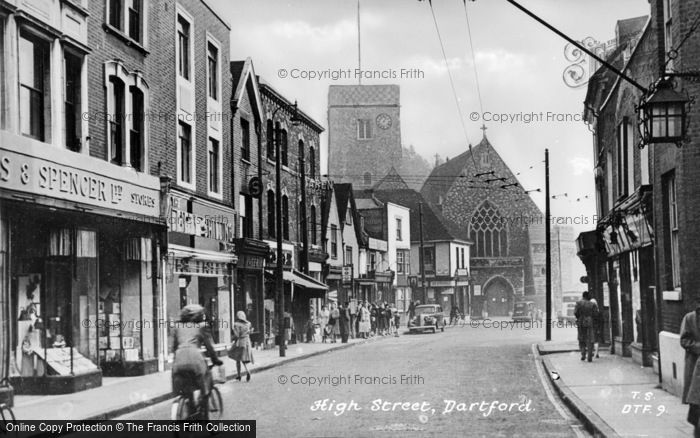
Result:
347,274
74,182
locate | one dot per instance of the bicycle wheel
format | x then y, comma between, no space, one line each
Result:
6,416
185,408
215,405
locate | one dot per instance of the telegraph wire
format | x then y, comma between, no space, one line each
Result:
452,84
471,45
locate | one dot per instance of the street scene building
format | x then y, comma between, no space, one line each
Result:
640,257
256,170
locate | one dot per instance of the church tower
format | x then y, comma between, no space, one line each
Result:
364,133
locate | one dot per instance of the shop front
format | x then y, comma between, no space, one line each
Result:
250,279
80,240
334,280
628,238
200,262
301,294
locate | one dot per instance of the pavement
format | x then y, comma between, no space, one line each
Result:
120,395
613,396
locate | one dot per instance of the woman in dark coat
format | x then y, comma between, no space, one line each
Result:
690,341
344,323
374,320
242,349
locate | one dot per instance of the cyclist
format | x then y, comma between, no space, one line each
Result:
190,370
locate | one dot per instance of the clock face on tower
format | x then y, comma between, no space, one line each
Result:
384,121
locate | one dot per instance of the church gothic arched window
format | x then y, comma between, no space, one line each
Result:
488,231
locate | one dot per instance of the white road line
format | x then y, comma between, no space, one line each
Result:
550,394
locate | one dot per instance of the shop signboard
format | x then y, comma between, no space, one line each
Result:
347,274
203,226
246,261
80,179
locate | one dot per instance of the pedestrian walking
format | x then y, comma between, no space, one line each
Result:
352,311
364,317
690,341
585,311
397,321
411,312
311,325
453,315
334,322
323,322
242,350
374,324
344,323
597,329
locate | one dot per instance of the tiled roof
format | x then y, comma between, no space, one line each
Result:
391,181
343,194
435,226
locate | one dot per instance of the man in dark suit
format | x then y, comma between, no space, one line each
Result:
585,312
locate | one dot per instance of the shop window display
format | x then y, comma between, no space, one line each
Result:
50,339
125,307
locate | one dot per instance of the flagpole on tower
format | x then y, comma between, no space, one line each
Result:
359,51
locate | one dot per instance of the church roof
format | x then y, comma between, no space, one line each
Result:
443,176
467,165
436,227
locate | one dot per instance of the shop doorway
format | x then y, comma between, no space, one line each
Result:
208,298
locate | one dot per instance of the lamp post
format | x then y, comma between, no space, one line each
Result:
548,246
279,268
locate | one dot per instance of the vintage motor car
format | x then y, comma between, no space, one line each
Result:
428,317
526,311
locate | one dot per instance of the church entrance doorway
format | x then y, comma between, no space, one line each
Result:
499,298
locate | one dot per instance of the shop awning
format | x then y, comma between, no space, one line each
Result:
301,280
178,251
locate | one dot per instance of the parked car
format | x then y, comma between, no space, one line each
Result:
525,311
428,317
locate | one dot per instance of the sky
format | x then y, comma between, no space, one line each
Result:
527,106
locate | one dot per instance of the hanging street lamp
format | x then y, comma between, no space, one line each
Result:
663,115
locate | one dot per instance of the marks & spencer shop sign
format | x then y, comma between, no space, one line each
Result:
39,176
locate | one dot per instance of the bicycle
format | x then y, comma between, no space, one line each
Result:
186,407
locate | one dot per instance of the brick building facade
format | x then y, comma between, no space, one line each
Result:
302,195
644,249
101,103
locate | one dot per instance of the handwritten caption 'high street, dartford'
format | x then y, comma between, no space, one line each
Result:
485,408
